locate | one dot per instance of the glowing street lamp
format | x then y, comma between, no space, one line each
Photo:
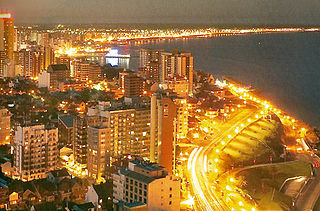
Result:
228,188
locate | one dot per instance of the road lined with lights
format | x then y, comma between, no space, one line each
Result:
206,197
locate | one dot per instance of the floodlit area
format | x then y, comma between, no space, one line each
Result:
251,144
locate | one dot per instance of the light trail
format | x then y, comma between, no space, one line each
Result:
205,162
196,185
190,158
207,198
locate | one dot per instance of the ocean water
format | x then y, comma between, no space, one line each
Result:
284,66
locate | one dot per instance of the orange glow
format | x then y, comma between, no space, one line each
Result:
5,15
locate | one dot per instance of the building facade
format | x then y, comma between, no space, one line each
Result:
35,151
130,83
6,44
66,130
169,123
162,66
129,129
147,183
5,116
80,145
98,152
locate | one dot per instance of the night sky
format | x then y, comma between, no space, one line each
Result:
165,11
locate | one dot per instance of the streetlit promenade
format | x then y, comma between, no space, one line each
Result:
215,188
206,197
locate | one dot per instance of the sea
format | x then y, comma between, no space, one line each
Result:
284,66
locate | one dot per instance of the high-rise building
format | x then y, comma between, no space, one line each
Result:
130,83
151,71
162,66
54,74
25,59
34,61
3,62
48,57
6,44
129,129
81,71
177,64
37,62
163,130
35,151
80,145
169,123
86,71
146,183
94,72
66,132
45,39
4,126
81,125
64,59
98,152
148,55
182,123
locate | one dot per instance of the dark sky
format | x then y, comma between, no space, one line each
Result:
165,11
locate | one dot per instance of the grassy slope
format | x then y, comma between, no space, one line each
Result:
271,178
252,144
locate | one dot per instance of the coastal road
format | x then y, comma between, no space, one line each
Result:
206,197
309,196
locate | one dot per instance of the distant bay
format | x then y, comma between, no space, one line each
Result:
284,66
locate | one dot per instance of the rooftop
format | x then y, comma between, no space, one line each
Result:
130,205
67,120
60,173
104,189
136,176
57,67
147,166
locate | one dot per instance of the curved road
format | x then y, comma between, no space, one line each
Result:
206,197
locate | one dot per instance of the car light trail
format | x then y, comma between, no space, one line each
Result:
205,163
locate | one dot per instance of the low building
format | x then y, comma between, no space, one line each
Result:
4,196
58,175
49,206
80,207
100,195
146,183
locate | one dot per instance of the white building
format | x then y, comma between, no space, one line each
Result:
44,79
147,183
